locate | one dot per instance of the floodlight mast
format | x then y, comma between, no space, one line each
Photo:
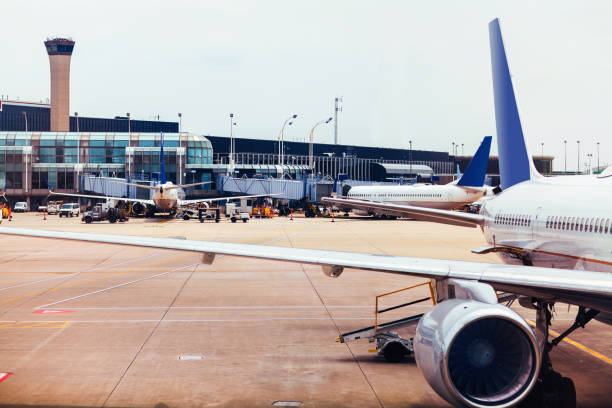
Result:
281,141
310,147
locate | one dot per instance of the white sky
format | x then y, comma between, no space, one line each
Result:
407,70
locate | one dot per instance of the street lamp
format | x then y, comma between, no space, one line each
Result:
597,156
129,128
76,116
26,121
310,148
410,157
462,149
578,141
565,148
180,116
590,155
232,146
281,140
542,151
453,152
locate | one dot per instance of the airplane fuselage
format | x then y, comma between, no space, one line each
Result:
166,200
541,219
443,197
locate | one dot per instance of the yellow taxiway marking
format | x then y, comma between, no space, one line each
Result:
34,325
69,285
578,345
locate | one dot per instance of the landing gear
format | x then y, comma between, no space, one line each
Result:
552,389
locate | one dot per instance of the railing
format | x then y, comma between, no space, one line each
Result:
377,311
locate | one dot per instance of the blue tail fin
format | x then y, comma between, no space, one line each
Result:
515,164
474,175
162,163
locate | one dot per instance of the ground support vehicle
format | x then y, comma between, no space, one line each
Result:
203,214
102,212
69,210
53,207
388,343
21,206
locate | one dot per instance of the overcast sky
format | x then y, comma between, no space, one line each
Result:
407,70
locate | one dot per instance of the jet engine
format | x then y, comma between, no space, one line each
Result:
477,354
137,208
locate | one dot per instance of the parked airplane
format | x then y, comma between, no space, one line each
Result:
473,350
166,198
466,190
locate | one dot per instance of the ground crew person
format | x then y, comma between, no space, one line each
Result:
5,212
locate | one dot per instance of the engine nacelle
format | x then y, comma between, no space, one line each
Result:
137,208
477,354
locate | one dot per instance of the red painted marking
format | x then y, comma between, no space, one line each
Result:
52,311
4,376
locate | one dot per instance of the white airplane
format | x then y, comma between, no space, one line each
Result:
473,350
166,195
466,190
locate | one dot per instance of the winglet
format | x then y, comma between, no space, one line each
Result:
161,161
515,164
474,175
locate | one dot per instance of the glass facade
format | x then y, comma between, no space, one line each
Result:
33,163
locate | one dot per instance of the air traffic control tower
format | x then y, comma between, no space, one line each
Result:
60,52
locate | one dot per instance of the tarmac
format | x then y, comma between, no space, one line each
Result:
92,325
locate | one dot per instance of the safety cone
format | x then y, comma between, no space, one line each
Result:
44,215
291,217
332,213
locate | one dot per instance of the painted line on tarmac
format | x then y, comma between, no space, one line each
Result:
267,319
34,324
216,307
138,269
579,346
38,281
115,286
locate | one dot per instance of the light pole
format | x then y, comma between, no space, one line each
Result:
542,151
578,142
310,142
590,155
453,148
231,139
129,128
76,116
565,148
25,115
410,156
281,141
462,149
597,156
180,116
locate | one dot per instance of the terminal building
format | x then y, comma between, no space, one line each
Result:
33,163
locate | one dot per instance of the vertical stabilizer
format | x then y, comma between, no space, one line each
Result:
474,175
515,164
162,163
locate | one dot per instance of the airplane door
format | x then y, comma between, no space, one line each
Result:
535,225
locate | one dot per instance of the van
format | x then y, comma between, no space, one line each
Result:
69,210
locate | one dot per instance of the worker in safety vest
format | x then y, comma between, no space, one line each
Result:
5,211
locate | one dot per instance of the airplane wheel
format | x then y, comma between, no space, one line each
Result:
186,217
567,393
394,352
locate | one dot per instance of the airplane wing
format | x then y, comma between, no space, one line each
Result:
588,289
132,200
419,213
210,200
